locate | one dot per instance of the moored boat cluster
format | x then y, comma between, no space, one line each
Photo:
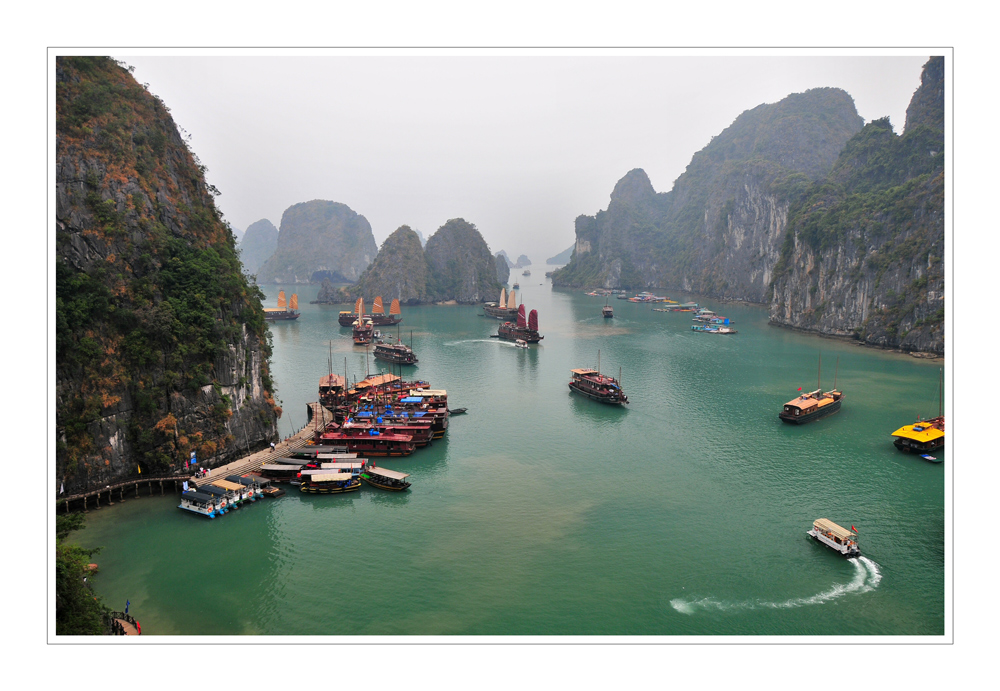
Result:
217,497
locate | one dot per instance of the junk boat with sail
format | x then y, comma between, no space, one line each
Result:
524,329
289,310
505,310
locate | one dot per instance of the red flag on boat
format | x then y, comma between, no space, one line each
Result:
854,529
800,388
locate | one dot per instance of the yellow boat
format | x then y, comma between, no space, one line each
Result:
921,437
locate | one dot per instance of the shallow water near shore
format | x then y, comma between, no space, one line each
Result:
544,513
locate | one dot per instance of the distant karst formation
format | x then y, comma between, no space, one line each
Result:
561,258
456,265
257,245
161,346
522,261
320,239
503,267
836,225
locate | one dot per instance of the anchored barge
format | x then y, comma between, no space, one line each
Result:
835,537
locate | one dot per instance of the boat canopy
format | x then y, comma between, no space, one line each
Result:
275,466
245,481
334,381
288,461
212,489
198,497
377,380
226,484
336,455
583,372
919,432
331,477
273,310
827,526
429,392
385,472
342,466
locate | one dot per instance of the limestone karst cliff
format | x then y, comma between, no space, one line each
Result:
258,244
503,268
864,248
835,225
399,271
320,239
161,344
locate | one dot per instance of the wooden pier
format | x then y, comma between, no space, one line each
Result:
248,464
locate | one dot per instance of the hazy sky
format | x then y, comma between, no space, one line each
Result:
518,145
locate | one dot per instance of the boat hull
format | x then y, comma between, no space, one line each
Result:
912,446
810,417
354,486
843,550
501,313
374,483
600,398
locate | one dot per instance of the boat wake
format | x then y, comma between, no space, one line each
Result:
866,577
501,341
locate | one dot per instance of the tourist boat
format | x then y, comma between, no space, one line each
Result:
813,405
505,309
520,343
596,386
364,331
704,328
397,352
516,286
835,537
924,436
458,411
330,483
375,444
252,485
608,311
380,318
383,478
283,311
238,492
420,431
726,330
525,330
222,497
525,273
200,502
281,472
348,318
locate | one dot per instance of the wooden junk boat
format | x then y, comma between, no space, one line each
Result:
607,311
813,405
398,353
836,537
363,331
526,330
596,386
380,318
505,310
383,478
284,310
330,482
348,318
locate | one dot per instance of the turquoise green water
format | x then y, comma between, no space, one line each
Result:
543,513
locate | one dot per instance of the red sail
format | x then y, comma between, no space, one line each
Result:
520,317
533,320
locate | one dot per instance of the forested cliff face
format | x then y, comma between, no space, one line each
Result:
719,230
161,344
398,272
864,249
320,239
837,227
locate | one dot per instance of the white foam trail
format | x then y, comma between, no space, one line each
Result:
866,578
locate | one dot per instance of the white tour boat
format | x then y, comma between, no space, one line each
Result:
835,537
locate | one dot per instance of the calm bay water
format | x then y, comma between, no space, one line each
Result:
543,513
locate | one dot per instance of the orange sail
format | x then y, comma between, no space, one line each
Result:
394,307
377,307
294,302
281,300
359,307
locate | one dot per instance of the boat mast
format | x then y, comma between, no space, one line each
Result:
835,370
940,392
598,362
819,370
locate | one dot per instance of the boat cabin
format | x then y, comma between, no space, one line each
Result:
200,502
835,537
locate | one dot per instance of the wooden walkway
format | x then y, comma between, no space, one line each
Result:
128,628
249,464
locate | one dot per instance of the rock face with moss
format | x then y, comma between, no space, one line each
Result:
257,245
863,253
320,239
461,265
399,271
161,344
